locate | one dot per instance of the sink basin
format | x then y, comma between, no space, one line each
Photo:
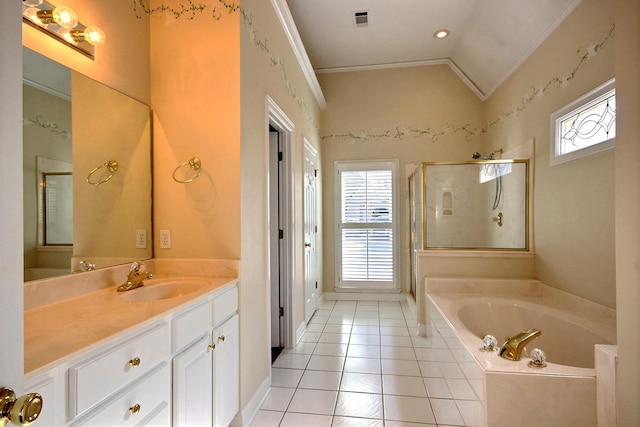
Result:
160,289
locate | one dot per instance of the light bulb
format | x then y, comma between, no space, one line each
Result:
94,35
91,34
65,17
440,34
32,2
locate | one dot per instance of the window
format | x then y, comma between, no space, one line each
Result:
586,126
366,228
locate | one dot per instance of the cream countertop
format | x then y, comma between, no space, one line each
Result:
54,333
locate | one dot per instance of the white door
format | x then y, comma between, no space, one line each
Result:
11,277
310,230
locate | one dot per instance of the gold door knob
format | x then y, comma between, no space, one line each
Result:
221,338
135,362
135,409
21,411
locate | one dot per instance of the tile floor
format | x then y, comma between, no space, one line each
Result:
361,363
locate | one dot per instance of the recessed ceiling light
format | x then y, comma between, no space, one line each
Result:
440,34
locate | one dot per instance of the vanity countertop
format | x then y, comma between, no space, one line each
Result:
56,332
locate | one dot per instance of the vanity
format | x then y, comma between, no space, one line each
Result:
164,354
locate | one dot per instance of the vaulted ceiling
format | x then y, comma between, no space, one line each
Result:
488,39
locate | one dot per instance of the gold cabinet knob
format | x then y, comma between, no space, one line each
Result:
221,338
135,362
212,347
135,409
21,411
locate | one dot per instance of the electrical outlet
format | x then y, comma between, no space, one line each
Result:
141,239
165,239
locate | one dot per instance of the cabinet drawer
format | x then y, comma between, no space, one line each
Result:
141,404
93,379
188,326
225,305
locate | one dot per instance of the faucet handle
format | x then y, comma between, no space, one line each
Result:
137,267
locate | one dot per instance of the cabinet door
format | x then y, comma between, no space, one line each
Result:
226,372
193,386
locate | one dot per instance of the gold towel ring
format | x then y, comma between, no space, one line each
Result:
111,166
195,164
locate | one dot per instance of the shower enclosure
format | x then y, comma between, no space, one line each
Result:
469,205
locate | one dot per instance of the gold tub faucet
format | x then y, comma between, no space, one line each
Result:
512,348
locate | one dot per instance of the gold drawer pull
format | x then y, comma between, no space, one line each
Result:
212,346
135,362
221,338
135,409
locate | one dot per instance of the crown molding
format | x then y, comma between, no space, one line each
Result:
288,25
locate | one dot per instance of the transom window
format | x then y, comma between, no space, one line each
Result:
366,227
586,126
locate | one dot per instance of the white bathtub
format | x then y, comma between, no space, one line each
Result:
564,392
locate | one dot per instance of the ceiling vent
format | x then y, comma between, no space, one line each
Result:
361,18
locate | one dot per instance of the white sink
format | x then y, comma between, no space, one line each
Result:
160,289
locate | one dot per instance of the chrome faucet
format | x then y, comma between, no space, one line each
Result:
512,348
137,275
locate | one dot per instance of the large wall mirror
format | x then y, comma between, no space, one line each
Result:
87,172
479,205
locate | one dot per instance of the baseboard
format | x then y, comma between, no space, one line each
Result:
364,296
300,331
245,417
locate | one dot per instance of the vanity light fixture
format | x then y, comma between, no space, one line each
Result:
62,24
441,34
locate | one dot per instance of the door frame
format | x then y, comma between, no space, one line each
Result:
277,119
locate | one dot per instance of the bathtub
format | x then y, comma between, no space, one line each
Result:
564,392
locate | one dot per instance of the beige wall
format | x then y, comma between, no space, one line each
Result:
627,205
574,201
285,84
377,101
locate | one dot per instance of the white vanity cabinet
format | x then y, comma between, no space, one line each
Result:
206,372
177,368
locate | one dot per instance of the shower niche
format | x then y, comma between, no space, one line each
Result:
470,205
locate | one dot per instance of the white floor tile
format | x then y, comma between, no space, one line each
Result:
361,362
278,399
291,361
326,363
330,349
362,365
400,367
321,402
330,337
321,380
400,331
364,339
368,351
361,383
356,422
267,419
360,405
401,353
403,386
292,419
411,409
446,412
281,377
